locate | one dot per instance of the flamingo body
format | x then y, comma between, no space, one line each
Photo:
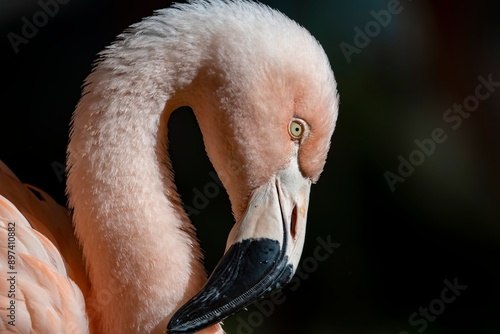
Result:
38,285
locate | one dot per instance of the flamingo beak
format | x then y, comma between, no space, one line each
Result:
262,253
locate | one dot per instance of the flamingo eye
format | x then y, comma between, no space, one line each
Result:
296,129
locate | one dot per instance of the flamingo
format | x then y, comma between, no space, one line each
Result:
124,258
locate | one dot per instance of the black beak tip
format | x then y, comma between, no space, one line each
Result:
177,328
250,270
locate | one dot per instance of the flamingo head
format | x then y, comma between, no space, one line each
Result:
267,110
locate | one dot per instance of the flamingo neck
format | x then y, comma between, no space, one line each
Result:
142,259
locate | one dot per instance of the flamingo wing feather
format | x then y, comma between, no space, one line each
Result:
37,293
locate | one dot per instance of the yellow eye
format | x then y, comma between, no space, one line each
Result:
296,129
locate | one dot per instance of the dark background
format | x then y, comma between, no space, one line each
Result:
396,247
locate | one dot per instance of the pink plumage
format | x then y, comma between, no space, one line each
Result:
127,260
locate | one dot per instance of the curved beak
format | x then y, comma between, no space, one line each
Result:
262,253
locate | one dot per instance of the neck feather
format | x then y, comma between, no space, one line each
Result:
141,255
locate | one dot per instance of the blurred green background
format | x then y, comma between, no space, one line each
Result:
394,246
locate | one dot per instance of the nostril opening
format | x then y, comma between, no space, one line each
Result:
293,223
